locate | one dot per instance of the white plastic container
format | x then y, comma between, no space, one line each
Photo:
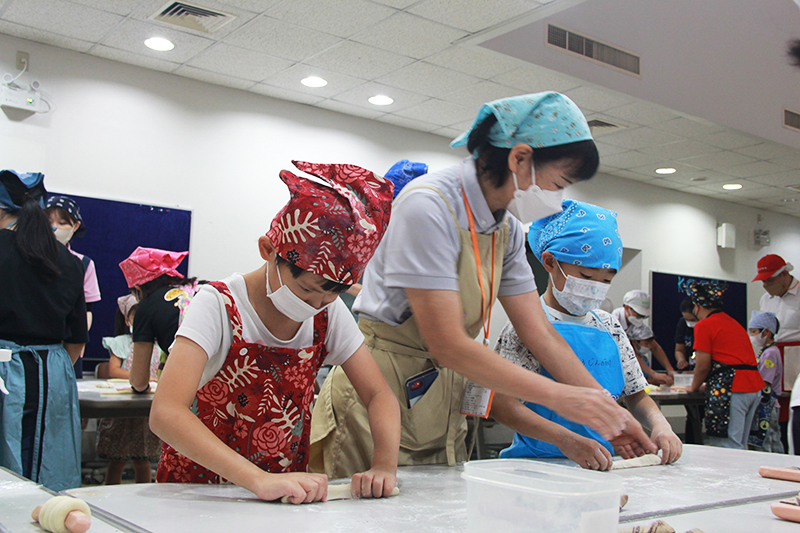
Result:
519,495
683,380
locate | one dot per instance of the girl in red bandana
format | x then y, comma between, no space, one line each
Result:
234,399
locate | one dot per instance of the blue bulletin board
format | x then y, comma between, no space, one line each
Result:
666,302
114,230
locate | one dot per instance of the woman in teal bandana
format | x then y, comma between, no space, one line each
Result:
449,252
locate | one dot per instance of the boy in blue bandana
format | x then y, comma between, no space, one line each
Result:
581,249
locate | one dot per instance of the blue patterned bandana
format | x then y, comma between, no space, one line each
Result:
538,120
14,186
581,234
762,320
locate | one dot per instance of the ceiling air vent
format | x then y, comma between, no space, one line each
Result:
600,127
791,119
592,49
192,16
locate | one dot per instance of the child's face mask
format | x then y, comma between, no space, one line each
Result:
579,296
288,303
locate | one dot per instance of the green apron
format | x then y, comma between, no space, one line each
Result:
433,430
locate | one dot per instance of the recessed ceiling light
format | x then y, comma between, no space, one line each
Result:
699,179
732,186
665,171
159,44
380,99
314,81
789,200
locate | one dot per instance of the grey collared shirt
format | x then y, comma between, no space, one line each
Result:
421,247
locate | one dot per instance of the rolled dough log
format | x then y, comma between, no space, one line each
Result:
63,514
341,492
646,460
774,472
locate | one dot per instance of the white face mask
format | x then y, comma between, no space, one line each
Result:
288,303
635,321
534,203
757,341
691,323
579,296
64,235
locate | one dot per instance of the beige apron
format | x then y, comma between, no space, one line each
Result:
433,431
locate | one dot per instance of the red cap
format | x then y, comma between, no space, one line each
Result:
768,266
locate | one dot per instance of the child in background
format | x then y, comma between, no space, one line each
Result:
726,362
120,440
65,217
163,294
234,399
766,431
581,249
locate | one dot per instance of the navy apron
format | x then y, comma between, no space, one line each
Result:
599,353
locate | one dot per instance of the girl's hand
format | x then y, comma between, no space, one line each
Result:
588,453
376,482
299,487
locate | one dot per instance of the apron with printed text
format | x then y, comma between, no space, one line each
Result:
433,431
258,404
599,353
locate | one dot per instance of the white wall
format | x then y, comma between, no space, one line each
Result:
126,133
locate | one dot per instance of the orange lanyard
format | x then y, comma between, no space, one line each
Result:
486,322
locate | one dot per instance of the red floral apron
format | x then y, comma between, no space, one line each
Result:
258,404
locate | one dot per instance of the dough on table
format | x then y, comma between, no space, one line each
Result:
341,492
645,460
54,515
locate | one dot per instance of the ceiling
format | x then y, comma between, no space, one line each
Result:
708,102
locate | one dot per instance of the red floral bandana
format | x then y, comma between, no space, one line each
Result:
332,230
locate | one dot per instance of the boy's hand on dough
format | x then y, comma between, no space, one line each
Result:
300,487
376,482
668,442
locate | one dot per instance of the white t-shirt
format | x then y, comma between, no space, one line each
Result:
206,322
787,309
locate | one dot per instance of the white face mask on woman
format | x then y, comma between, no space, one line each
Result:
64,235
288,303
534,203
579,296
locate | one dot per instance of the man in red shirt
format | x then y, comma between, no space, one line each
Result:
726,361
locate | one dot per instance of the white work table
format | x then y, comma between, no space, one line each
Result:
19,496
707,488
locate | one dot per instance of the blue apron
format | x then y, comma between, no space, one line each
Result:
599,353
57,450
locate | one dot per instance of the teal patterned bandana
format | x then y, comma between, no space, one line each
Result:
538,120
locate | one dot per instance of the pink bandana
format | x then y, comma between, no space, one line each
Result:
332,230
126,303
146,264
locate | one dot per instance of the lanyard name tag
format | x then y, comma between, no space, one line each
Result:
477,400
